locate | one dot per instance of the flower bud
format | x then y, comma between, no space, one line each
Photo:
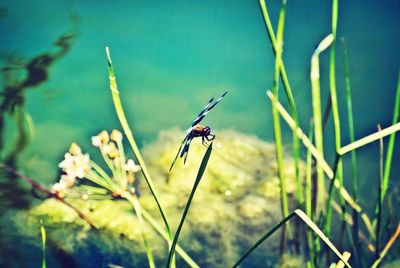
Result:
104,137
116,135
74,149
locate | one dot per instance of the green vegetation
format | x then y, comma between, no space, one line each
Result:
86,184
335,174
43,234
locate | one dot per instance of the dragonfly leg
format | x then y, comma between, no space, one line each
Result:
204,141
210,137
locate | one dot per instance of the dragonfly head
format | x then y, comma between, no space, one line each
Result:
206,131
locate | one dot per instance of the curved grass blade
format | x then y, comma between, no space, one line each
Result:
132,142
200,173
316,105
309,223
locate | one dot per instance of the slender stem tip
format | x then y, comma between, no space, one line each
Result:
108,55
325,43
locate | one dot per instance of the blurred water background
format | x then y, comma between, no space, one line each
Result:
170,57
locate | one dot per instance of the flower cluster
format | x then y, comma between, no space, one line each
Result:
78,165
74,165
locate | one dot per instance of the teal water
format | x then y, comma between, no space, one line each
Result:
171,57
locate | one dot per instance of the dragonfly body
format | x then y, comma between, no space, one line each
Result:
197,130
202,131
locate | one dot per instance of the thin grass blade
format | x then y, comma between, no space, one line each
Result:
277,124
200,173
132,142
354,176
378,216
43,234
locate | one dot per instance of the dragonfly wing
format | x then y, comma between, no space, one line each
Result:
185,150
198,119
206,109
179,151
215,103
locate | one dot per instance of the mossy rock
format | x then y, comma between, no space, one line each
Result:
236,202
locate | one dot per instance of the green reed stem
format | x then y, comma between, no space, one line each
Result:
309,223
328,210
390,146
132,142
308,200
356,241
276,119
43,234
136,206
335,106
289,96
379,201
316,104
350,118
200,173
332,77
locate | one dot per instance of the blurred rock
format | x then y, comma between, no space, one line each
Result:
236,202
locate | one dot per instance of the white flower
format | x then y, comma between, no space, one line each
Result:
82,165
96,141
75,165
111,150
74,149
131,166
58,187
68,162
67,180
116,135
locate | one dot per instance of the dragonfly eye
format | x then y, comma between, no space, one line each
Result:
206,130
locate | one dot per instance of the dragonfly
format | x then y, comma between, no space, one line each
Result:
197,130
